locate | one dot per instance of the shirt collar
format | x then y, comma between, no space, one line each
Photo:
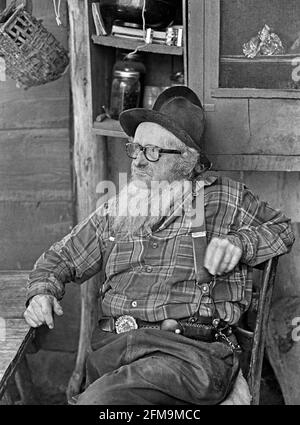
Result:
178,210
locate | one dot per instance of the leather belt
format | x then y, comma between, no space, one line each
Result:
205,329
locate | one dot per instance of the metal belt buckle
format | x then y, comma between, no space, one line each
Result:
125,324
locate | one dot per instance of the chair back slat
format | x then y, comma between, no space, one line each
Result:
259,333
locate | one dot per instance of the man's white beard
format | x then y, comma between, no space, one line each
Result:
139,207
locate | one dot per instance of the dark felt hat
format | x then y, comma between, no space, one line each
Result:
177,109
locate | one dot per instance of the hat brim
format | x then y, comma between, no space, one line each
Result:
132,118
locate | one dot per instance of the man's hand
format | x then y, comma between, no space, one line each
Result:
221,256
40,311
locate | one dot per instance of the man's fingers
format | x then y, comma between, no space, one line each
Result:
208,260
29,320
46,308
235,259
57,308
226,261
35,307
215,255
221,256
30,316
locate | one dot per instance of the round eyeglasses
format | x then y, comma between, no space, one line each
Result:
151,152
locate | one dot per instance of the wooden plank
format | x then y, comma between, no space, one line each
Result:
118,161
128,44
13,294
195,33
44,112
280,189
45,11
254,93
101,61
58,89
227,129
35,165
248,162
89,163
185,41
18,336
287,58
28,229
212,47
274,127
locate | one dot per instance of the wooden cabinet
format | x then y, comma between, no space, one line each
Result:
252,105
161,62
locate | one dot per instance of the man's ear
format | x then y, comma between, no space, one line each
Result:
199,168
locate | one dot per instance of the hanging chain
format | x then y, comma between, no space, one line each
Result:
57,12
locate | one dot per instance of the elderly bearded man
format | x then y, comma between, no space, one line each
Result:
175,282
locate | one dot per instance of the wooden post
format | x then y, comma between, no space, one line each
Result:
88,163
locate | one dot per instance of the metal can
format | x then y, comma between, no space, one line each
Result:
170,36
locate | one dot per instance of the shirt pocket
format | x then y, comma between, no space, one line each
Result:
125,256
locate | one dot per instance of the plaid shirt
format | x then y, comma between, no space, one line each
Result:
152,276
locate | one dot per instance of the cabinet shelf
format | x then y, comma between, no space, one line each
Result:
127,44
109,128
277,59
252,162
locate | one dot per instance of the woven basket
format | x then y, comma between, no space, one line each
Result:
32,55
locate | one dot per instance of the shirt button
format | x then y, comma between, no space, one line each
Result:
205,289
134,304
148,269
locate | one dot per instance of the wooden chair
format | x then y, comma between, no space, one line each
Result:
251,340
15,338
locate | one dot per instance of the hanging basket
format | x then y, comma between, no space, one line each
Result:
33,56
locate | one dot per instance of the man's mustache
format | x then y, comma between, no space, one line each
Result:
143,169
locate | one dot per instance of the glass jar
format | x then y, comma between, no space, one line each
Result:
151,93
125,92
132,62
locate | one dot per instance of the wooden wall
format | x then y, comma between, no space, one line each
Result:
35,174
281,190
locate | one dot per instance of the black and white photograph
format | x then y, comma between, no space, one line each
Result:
149,208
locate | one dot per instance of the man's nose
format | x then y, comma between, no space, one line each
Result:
141,159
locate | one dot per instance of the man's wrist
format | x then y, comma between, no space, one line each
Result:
31,293
246,240
236,240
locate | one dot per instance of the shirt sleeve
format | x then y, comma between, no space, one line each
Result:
76,258
262,232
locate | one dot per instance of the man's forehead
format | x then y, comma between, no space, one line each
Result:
150,131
